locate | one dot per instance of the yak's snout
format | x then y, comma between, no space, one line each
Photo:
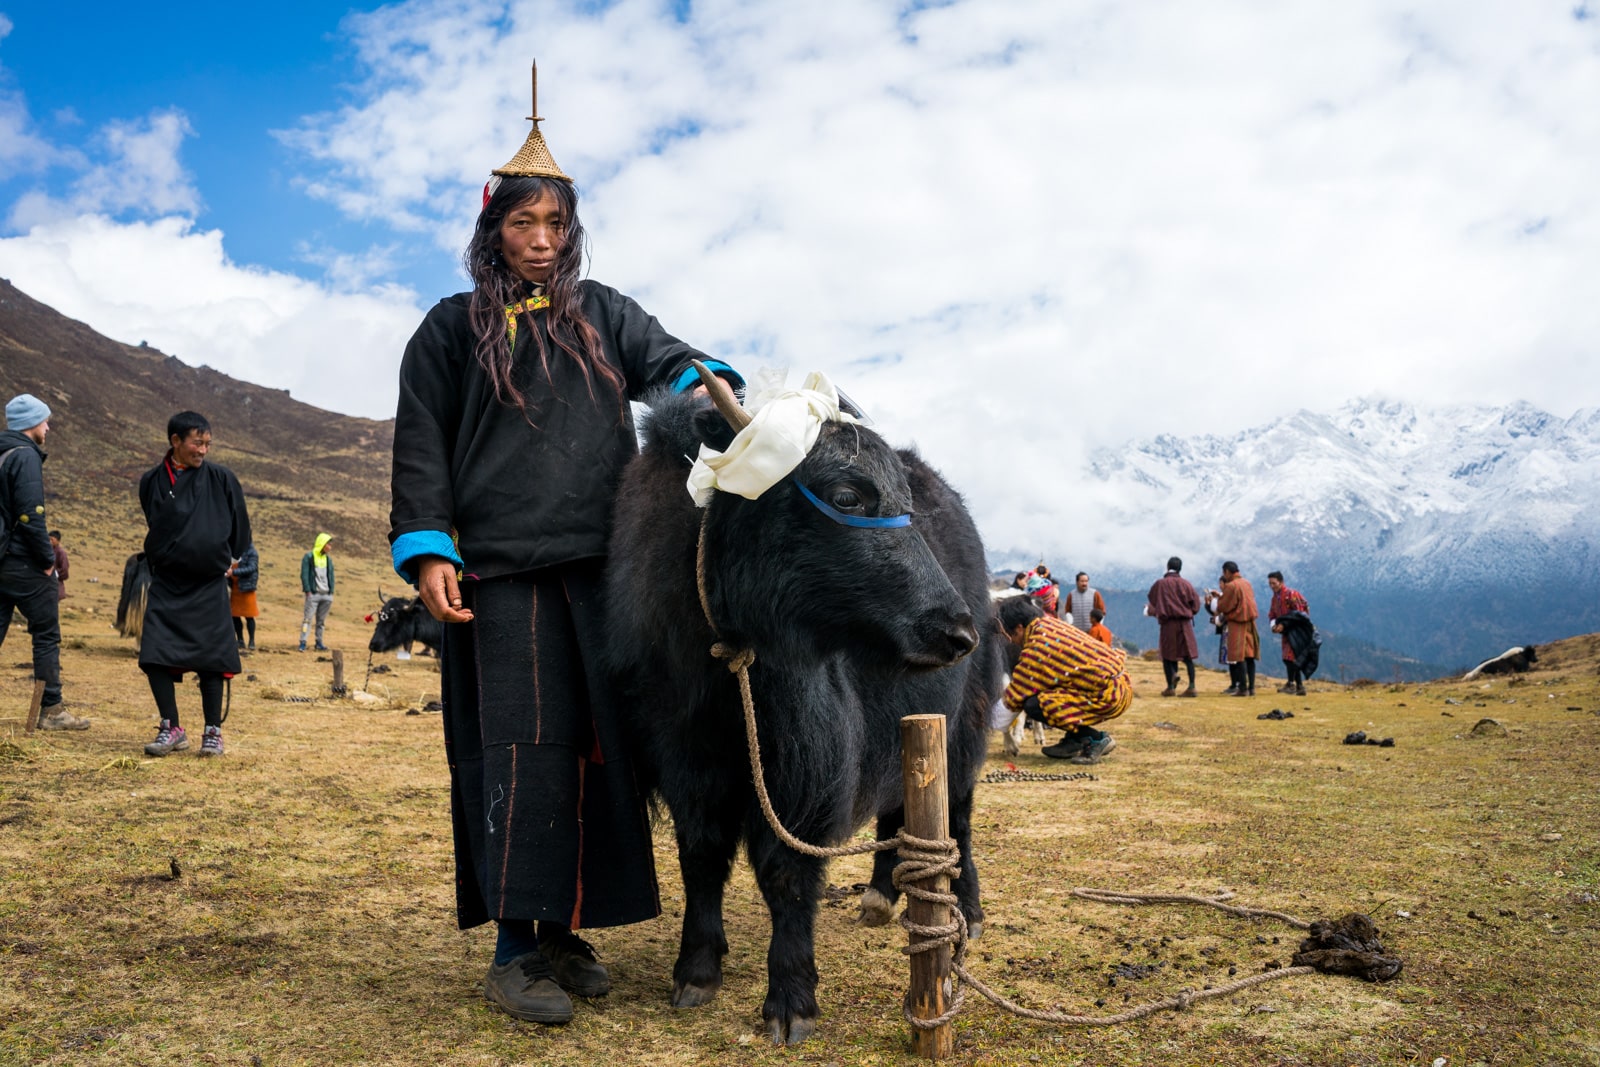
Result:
944,642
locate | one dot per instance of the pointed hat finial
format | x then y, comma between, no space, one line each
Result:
533,160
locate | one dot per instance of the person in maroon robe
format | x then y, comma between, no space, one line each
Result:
1174,603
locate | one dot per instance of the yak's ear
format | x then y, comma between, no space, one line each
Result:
712,429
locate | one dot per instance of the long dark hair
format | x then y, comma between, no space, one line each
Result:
495,286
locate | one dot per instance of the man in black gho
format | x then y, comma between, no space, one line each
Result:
198,528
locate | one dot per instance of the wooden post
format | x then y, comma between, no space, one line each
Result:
338,673
923,769
33,709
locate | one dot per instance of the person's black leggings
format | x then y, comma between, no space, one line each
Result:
1170,669
1292,670
239,624
1250,673
163,686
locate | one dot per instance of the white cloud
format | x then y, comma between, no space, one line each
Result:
139,173
168,283
1027,228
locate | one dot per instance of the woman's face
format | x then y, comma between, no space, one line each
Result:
531,236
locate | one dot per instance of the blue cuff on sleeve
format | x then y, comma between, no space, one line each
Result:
410,548
691,377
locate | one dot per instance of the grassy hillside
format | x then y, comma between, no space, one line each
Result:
303,469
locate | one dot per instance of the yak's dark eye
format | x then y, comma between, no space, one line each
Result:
845,498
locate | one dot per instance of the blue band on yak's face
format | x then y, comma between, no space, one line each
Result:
860,522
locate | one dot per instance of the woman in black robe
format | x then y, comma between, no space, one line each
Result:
198,526
512,430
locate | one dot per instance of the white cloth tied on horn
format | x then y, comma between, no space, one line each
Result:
779,437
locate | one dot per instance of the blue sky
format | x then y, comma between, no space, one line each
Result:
235,86
1121,220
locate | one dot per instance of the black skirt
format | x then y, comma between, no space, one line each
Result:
188,627
548,818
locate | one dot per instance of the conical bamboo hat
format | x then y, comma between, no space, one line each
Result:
533,159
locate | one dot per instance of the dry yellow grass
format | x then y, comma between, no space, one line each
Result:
311,918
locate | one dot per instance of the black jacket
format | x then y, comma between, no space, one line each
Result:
25,533
1304,641
521,492
247,572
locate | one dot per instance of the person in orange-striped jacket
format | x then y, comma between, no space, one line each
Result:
1065,678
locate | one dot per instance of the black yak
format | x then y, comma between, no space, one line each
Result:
1512,661
403,621
852,628
132,599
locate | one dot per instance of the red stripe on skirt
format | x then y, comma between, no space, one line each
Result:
577,901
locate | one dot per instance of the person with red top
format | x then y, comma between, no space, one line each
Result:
1284,601
1097,627
198,527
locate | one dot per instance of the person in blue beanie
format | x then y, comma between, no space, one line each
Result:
27,559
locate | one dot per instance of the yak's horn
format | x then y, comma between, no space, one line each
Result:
722,396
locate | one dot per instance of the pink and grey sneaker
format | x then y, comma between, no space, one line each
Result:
211,741
170,738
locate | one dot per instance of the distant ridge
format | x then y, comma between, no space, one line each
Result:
303,468
1448,532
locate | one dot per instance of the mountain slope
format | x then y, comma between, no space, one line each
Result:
303,469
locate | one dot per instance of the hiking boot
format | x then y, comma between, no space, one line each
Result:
169,738
302,646
211,741
1286,687
318,647
58,717
1189,692
1170,691
1231,691
1299,689
526,989
1242,693
1096,750
576,969
1064,749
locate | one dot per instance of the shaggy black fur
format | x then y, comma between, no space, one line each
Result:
1511,661
403,619
131,600
852,629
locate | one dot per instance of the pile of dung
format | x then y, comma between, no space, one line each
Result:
1347,946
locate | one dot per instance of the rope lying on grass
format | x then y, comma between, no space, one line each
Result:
998,777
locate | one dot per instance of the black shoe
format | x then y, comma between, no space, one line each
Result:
1064,750
526,988
1095,751
1299,690
576,969
1231,691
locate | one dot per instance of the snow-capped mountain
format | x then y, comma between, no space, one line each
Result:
1448,533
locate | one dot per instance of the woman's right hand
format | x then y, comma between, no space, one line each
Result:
441,594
